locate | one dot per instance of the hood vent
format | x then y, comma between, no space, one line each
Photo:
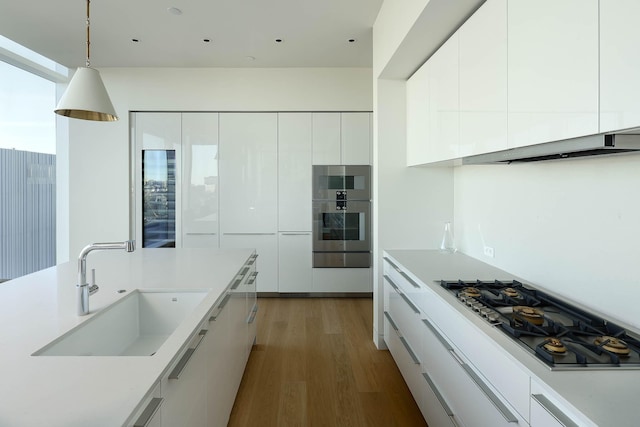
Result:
593,145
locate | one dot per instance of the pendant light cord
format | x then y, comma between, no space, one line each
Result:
88,37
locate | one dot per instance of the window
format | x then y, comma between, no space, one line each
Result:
27,172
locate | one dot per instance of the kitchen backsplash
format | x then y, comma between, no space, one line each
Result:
572,227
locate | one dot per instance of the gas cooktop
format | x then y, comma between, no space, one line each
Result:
556,332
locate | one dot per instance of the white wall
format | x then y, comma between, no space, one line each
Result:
410,205
99,152
394,21
572,227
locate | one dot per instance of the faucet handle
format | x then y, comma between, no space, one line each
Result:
93,288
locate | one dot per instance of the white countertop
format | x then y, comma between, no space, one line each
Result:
94,391
606,397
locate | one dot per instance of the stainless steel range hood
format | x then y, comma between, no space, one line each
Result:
592,145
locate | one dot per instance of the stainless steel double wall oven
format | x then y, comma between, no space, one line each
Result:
341,216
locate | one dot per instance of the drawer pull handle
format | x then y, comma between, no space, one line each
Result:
404,297
177,371
147,415
224,302
504,411
410,304
409,350
501,407
252,314
440,398
393,285
435,332
553,410
391,322
402,273
254,276
201,234
410,280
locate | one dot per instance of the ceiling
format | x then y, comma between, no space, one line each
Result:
242,33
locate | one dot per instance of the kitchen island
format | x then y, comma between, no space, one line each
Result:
103,390
466,359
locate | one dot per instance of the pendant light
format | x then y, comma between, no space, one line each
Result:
86,97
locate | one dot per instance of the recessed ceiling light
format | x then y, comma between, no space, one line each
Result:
352,40
279,40
174,11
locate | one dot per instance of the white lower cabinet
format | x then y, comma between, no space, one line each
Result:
184,388
548,411
342,280
402,335
473,400
219,399
447,387
252,302
149,414
294,262
265,244
199,388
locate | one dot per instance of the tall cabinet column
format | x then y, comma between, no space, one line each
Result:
294,202
249,189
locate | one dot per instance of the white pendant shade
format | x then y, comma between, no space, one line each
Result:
86,98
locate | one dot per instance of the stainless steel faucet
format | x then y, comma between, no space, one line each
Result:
83,290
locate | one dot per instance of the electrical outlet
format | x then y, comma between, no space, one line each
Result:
488,251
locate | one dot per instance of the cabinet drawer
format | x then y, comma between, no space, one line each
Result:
404,312
184,388
433,406
405,357
148,412
472,400
548,411
509,380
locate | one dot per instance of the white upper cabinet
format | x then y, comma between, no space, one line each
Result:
483,80
444,106
341,138
552,69
433,113
294,171
619,65
417,113
356,138
200,180
326,138
249,170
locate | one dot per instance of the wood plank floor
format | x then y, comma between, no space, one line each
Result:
315,364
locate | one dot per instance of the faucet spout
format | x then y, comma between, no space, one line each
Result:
83,290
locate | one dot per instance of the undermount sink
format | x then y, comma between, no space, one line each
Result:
136,325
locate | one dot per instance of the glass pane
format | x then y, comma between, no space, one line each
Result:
342,226
159,195
27,172
340,182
